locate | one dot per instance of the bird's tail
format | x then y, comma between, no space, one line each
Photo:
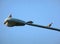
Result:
29,22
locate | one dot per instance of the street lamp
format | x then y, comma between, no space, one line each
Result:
10,22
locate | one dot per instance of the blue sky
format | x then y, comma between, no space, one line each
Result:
40,12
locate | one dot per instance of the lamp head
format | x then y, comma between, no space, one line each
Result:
10,22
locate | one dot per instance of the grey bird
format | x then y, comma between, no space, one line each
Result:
10,22
49,25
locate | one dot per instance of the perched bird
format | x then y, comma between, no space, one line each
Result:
10,22
8,18
49,25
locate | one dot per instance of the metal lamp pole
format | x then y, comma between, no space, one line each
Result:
10,22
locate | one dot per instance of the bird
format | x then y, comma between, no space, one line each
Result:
10,16
49,25
6,20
